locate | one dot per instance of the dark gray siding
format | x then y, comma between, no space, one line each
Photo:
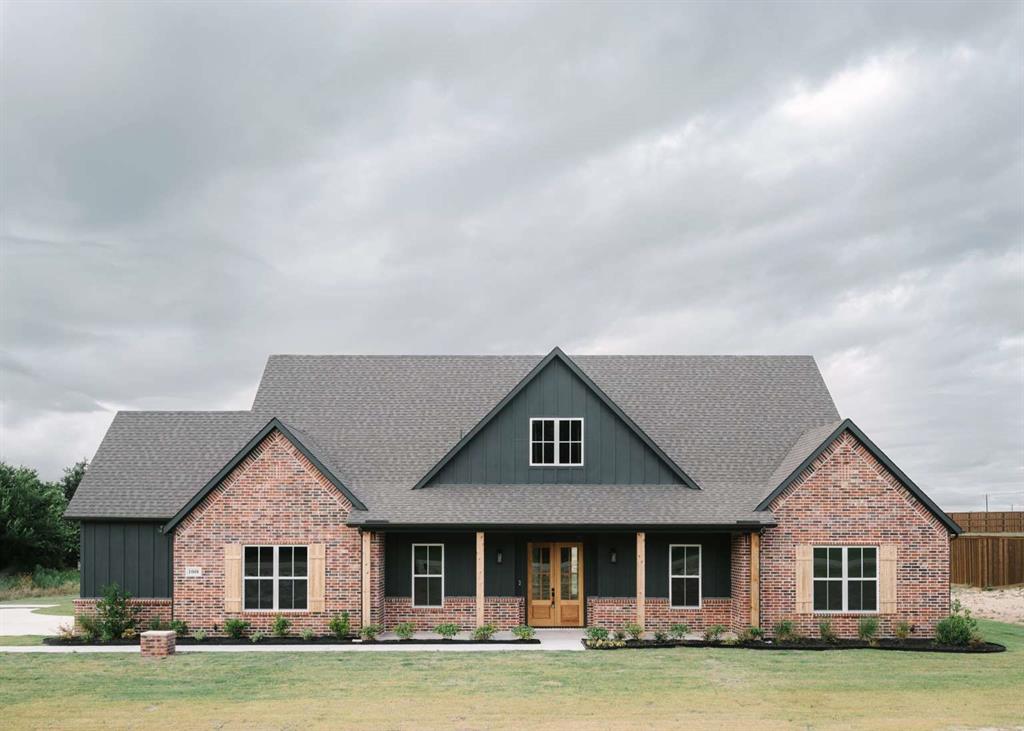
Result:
716,563
459,562
134,555
499,454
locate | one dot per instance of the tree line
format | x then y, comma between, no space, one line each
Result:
33,531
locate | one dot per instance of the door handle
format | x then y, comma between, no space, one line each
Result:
552,595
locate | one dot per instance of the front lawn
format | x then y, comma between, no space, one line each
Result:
62,605
668,688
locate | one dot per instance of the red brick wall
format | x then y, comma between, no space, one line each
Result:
148,609
614,612
503,612
377,611
273,497
848,498
740,582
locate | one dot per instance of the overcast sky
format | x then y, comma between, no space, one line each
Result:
188,188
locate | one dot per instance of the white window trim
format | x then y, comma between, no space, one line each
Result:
275,577
844,582
557,441
699,576
412,586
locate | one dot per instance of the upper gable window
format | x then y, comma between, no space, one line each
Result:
556,442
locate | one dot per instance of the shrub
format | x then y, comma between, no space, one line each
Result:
903,630
66,631
524,632
180,627
785,631
199,635
660,635
156,624
619,634
339,625
370,632
958,629
633,630
605,643
714,633
306,634
115,613
90,626
235,628
679,631
256,637
280,626
448,630
597,633
484,632
826,631
405,630
867,629
751,634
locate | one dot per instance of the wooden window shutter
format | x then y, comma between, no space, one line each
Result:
232,577
317,577
887,578
804,579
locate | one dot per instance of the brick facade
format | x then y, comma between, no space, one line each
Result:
275,496
148,610
615,612
739,618
157,644
503,612
846,497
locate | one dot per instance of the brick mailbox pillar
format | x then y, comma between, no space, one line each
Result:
158,643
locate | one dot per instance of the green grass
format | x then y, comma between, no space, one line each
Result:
21,640
40,583
63,605
671,688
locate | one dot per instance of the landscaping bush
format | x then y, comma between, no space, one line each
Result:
448,630
180,627
405,630
785,631
714,633
619,634
606,643
903,630
634,630
524,632
306,634
339,625
199,635
156,624
826,631
484,632
751,634
370,632
958,629
679,631
597,633
867,629
117,617
280,626
256,637
90,626
66,631
235,628
660,635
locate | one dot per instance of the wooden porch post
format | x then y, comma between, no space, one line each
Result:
641,578
367,588
755,579
479,578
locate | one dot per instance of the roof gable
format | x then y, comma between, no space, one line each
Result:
292,435
848,425
496,449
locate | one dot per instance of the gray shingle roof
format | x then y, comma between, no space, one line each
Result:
381,422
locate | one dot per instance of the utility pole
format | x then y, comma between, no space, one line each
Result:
986,502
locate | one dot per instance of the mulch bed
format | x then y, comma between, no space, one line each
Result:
182,641
908,645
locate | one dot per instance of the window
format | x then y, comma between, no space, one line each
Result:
427,574
845,579
684,575
556,442
275,577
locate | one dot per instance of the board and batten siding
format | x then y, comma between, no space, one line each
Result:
134,555
500,452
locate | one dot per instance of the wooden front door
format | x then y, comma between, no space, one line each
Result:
555,585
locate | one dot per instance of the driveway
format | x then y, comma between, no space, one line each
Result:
18,619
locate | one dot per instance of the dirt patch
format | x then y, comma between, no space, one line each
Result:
1002,605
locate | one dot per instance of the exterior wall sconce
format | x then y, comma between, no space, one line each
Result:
499,555
614,557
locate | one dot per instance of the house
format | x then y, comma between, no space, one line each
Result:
555,491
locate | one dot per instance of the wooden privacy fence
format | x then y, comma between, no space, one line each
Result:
982,522
987,560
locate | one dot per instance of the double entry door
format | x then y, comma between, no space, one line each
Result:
555,585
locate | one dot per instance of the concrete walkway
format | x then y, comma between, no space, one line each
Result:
18,619
550,640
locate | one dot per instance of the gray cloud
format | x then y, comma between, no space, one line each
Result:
189,187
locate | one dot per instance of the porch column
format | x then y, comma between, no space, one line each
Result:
641,578
367,589
755,579
479,578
